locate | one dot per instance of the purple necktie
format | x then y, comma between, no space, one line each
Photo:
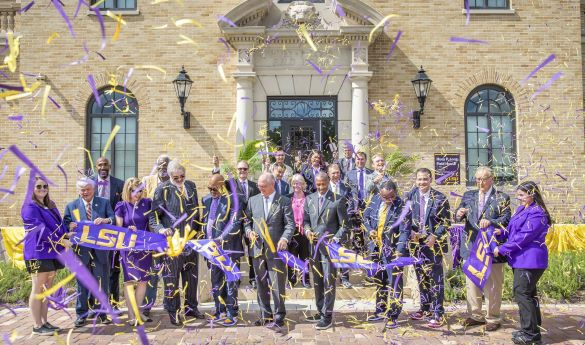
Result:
212,215
361,184
422,212
481,202
245,189
321,200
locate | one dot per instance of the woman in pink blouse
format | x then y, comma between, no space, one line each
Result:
299,245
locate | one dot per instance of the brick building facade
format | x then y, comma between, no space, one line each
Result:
351,81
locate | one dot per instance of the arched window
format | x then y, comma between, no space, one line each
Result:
116,107
490,128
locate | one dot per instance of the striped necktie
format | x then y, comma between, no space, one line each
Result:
88,211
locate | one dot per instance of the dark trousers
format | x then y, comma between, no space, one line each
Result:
389,284
251,271
100,269
324,276
228,291
431,284
525,281
152,287
186,268
299,246
115,279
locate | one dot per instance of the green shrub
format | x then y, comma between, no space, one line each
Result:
561,282
15,284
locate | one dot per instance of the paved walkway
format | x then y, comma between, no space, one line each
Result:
563,324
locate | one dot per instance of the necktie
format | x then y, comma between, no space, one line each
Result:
381,223
278,186
361,184
422,212
321,200
104,185
481,203
245,189
88,211
335,188
266,207
212,215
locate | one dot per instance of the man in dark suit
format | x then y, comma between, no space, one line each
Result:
270,227
309,172
347,162
280,185
325,215
356,179
480,209
221,219
387,242
429,225
340,188
172,200
110,188
99,211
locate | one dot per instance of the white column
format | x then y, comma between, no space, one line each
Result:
359,76
245,77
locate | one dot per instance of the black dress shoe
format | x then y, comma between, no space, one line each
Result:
254,285
262,322
80,322
174,319
146,312
523,339
103,319
276,324
195,313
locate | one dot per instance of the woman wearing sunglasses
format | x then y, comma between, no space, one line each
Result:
132,213
44,232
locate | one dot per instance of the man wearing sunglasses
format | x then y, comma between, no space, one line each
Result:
172,200
387,241
222,214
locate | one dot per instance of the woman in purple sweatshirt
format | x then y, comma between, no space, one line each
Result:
44,231
528,256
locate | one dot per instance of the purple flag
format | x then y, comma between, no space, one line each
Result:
293,261
479,264
216,256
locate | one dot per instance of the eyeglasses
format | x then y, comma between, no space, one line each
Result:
136,191
42,186
212,189
243,169
180,177
482,178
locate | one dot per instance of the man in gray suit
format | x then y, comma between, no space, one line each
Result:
325,215
270,227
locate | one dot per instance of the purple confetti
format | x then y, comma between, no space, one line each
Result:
466,40
444,177
96,94
402,215
10,87
226,20
64,174
467,12
393,45
100,19
61,11
339,10
561,176
142,335
26,8
54,102
482,129
546,85
548,60
15,117
315,66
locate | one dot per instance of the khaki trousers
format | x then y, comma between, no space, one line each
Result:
493,296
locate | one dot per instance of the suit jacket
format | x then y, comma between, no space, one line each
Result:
344,189
437,217
309,177
332,217
116,187
373,187
150,183
343,165
232,240
284,187
352,180
496,210
167,199
100,208
44,228
393,238
280,222
526,247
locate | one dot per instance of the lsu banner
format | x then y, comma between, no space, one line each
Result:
342,257
293,261
111,237
479,264
212,252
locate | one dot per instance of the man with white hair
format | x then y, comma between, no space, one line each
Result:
270,227
379,176
175,208
99,211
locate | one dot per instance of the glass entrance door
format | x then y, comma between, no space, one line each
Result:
300,137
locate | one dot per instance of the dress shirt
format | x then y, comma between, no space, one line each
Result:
103,187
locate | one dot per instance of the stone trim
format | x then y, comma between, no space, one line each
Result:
504,11
492,76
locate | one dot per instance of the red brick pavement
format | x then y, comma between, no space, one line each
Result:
563,324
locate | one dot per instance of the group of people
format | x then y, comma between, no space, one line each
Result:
297,209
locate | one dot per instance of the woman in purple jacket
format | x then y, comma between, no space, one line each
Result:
528,256
44,232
